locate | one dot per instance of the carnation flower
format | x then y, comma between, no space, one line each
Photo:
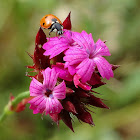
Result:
85,57
47,95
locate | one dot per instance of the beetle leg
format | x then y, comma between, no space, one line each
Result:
52,28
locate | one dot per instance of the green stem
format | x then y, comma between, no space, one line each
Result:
3,116
20,96
7,111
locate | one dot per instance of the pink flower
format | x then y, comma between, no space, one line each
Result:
47,95
57,45
84,58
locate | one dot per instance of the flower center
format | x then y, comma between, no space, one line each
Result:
91,55
91,51
48,92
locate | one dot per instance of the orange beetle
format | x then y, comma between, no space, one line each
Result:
53,23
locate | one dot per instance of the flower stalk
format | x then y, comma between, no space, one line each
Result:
20,97
14,105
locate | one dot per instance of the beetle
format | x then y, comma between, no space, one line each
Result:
53,23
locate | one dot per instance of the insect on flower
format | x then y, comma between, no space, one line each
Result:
53,23
65,88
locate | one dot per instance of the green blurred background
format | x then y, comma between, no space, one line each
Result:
117,21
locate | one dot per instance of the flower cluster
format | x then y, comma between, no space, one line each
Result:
68,68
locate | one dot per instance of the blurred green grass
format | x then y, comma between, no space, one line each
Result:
115,21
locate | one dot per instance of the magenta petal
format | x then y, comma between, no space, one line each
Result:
104,67
63,72
35,103
36,88
59,91
75,55
68,36
32,107
41,107
50,78
53,106
84,40
54,51
46,74
48,106
91,39
53,79
79,38
101,49
55,46
85,69
35,111
72,69
76,80
88,38
35,99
